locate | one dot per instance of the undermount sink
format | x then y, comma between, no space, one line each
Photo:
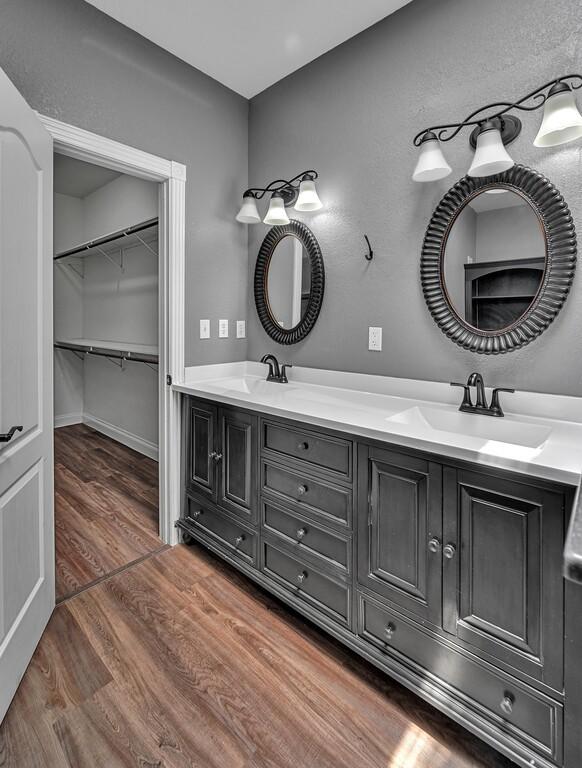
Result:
501,430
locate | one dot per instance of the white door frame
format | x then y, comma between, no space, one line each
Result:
84,145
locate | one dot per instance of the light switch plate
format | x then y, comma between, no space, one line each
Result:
223,329
241,329
205,329
375,338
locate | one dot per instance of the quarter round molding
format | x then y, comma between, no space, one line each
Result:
560,237
308,240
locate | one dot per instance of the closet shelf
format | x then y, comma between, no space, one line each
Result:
119,350
145,233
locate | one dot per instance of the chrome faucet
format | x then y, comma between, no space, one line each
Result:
476,380
276,374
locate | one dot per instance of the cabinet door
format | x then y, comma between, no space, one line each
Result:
399,529
238,462
202,444
503,584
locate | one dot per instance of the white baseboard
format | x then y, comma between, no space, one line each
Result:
66,419
125,438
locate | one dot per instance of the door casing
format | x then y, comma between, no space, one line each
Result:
171,176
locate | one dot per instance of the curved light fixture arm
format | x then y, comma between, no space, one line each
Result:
448,131
280,184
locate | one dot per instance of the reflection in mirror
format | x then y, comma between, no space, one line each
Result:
288,282
494,259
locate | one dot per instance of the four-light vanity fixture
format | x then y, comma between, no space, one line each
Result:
561,122
299,190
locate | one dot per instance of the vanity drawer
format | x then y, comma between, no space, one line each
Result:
519,710
309,494
222,530
320,451
306,536
321,591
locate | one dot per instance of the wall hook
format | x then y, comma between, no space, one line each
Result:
370,255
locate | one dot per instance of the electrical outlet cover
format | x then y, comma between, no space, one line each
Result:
241,329
223,329
375,338
204,329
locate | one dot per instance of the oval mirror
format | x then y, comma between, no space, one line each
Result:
289,282
494,259
498,259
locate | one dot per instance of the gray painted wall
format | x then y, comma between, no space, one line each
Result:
352,115
74,63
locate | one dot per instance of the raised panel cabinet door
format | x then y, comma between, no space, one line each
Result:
238,463
27,559
399,529
503,586
202,448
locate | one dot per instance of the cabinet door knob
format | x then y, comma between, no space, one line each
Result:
302,490
301,577
217,457
301,533
212,455
239,540
196,514
506,703
434,545
389,630
449,551
303,446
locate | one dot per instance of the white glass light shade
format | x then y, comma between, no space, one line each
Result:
490,157
562,121
276,215
431,165
248,213
308,199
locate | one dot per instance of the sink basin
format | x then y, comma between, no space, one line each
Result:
501,430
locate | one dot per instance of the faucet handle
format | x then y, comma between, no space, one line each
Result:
284,367
495,407
467,402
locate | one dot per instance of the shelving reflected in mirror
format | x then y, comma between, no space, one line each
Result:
494,259
289,282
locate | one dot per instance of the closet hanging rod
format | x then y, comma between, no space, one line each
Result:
118,354
107,239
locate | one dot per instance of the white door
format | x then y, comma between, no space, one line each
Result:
27,588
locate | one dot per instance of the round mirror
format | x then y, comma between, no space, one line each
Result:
498,259
289,282
494,259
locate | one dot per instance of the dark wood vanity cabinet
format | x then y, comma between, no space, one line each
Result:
448,576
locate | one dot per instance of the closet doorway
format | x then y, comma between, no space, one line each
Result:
106,380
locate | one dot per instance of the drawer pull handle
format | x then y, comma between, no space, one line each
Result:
302,490
212,455
301,577
217,456
507,703
390,630
449,551
239,540
303,446
301,533
434,545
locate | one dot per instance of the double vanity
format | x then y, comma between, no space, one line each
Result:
428,540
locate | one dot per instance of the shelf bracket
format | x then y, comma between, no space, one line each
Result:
118,361
111,259
153,366
146,245
78,272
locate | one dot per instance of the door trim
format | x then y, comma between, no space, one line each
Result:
171,176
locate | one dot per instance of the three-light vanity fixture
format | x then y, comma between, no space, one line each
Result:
299,190
561,122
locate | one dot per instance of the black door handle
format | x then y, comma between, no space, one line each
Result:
6,437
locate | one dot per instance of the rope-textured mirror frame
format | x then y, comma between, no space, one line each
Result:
273,238
560,236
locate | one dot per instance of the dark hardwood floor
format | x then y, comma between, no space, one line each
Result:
106,507
179,661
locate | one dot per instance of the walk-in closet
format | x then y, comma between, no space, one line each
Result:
106,379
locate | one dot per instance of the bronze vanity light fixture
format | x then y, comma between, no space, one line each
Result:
494,128
300,190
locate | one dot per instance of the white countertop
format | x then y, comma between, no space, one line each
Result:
540,436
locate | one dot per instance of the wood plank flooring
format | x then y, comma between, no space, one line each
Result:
106,507
180,661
